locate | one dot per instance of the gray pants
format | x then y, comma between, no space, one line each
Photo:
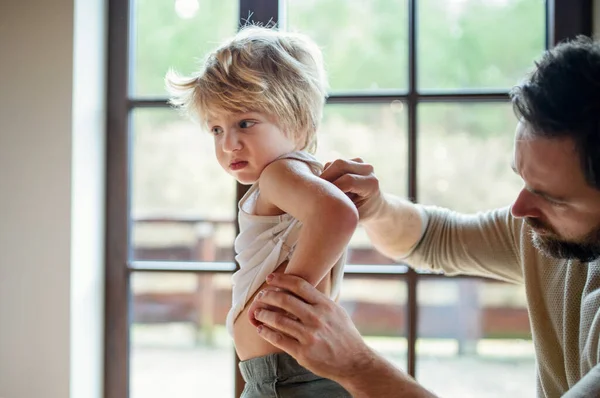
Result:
280,376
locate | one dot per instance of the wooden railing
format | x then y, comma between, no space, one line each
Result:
465,320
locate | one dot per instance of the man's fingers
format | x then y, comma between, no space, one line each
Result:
284,325
278,339
257,304
340,167
356,160
356,184
285,304
299,287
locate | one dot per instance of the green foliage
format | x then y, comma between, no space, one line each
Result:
364,42
164,40
473,44
469,44
478,44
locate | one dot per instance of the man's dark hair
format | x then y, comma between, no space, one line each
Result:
561,98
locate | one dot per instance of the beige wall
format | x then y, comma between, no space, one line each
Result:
51,151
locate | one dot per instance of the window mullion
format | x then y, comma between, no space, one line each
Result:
412,276
117,292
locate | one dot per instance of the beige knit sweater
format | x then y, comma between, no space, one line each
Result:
563,296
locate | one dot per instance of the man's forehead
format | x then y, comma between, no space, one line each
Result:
525,134
547,164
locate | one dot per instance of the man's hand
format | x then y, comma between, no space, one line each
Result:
393,225
316,331
323,339
357,180
257,304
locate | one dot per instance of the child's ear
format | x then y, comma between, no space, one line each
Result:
300,142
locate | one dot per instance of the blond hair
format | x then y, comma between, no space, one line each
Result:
262,70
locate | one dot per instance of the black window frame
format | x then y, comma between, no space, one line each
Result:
564,19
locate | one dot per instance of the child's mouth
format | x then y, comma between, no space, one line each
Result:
238,165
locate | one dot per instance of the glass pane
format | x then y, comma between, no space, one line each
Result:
179,345
364,42
464,156
377,307
470,331
477,44
183,203
173,34
377,134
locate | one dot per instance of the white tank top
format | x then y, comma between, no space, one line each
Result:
265,242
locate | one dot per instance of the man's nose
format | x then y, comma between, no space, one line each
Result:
525,205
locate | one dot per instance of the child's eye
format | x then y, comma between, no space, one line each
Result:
216,130
244,124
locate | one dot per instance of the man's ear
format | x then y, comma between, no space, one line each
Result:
591,164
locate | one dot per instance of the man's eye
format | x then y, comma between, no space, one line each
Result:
555,203
216,130
244,124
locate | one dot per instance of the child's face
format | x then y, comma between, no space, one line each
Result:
245,143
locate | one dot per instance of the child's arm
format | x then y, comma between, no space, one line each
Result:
328,216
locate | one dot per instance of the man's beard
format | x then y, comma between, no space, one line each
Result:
585,250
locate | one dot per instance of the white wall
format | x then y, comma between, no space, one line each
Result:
87,199
51,154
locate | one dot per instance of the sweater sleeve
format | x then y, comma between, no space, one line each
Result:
588,386
483,244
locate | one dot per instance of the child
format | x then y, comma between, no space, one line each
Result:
261,95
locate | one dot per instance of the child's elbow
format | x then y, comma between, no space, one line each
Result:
344,216
351,217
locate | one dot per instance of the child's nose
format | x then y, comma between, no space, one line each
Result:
231,142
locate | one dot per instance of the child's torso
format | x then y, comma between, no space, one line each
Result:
248,343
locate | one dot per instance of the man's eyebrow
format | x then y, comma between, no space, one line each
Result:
552,198
545,195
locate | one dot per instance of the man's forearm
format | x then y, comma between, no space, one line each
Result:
383,380
394,225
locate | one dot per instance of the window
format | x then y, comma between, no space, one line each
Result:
418,89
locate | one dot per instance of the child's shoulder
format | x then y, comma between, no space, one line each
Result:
292,168
300,160
283,167
299,155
